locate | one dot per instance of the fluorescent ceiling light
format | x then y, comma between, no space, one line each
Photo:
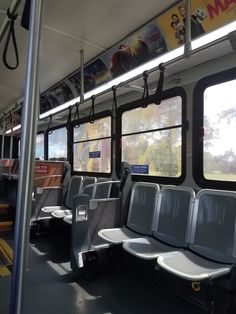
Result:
210,37
14,129
121,79
137,71
197,43
59,108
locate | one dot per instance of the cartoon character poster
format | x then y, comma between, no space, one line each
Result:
145,44
206,16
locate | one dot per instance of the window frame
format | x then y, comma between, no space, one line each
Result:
198,130
173,92
97,116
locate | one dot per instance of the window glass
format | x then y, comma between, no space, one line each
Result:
219,146
39,152
39,149
92,146
154,152
99,129
93,156
167,114
57,144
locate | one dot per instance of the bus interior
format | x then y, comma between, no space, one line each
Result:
118,163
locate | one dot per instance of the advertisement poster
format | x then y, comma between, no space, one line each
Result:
206,16
140,47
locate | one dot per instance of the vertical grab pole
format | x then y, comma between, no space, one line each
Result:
29,129
81,75
188,39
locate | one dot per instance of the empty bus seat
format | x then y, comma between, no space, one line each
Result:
212,248
46,193
98,190
92,215
73,191
171,224
140,217
74,188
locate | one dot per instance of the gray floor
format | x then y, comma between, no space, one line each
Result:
52,288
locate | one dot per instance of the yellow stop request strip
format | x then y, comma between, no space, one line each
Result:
6,256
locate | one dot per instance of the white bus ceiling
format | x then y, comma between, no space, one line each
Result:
92,26
68,27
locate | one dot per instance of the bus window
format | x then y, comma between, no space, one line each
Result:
214,116
152,138
57,143
92,146
39,151
219,147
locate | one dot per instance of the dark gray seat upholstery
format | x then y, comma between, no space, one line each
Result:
171,224
142,208
74,188
212,239
98,190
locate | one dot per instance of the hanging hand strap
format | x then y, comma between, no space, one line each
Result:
76,116
114,104
92,111
11,32
50,125
145,90
68,119
159,89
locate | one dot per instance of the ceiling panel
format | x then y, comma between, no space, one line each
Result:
68,27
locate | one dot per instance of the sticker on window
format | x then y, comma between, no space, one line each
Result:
96,154
140,169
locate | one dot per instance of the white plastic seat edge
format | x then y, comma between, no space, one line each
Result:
213,274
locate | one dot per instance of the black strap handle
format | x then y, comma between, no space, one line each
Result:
160,84
69,119
50,125
11,32
145,90
92,111
114,104
76,116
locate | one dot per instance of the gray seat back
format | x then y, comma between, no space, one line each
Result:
74,188
173,216
87,186
103,190
213,232
142,207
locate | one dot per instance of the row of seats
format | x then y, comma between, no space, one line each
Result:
192,237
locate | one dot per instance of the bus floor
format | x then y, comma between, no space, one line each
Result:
51,287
